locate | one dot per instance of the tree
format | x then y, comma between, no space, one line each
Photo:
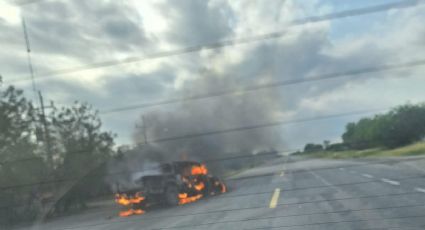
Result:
17,143
337,147
401,126
310,148
82,149
407,125
76,160
326,144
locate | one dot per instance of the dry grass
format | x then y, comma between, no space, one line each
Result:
410,150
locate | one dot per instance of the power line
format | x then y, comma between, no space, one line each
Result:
240,209
261,218
62,180
293,215
265,125
225,196
237,41
232,179
237,129
28,2
350,73
341,222
327,186
257,87
296,189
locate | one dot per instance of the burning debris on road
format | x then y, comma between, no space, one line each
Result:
177,183
134,202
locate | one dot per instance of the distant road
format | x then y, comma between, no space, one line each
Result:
293,193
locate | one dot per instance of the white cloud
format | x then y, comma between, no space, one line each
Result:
86,32
10,13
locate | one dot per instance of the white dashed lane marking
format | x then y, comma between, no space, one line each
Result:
368,176
420,190
392,182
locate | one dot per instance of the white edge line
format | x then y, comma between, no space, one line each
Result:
420,190
390,181
368,176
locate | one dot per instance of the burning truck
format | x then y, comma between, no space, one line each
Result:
175,183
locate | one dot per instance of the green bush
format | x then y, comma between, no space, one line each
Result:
401,126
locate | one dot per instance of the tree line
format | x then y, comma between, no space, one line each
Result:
401,126
46,160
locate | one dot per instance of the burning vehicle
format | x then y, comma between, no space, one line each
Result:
175,183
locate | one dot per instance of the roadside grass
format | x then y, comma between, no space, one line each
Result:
234,172
410,150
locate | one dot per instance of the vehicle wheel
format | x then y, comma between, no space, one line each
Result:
171,195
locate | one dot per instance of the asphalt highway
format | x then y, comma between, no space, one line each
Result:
290,193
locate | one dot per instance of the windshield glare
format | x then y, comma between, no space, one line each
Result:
212,114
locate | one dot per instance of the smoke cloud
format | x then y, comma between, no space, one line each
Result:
214,114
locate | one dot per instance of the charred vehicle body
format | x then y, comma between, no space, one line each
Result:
174,183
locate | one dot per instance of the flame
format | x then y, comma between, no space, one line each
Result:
182,195
138,211
137,200
126,213
199,170
197,184
131,212
223,188
123,199
200,186
184,198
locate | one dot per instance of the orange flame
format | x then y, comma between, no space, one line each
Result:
199,170
200,186
182,195
123,199
131,212
223,188
126,213
136,200
139,212
184,198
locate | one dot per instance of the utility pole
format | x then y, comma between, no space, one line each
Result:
40,97
46,128
144,129
27,43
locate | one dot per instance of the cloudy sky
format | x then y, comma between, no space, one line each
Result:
68,37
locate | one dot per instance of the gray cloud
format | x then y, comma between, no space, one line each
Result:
194,22
86,30
93,31
118,89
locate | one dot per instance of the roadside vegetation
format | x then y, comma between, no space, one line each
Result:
399,132
49,162
409,150
55,161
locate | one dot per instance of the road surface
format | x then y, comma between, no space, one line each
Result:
291,194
